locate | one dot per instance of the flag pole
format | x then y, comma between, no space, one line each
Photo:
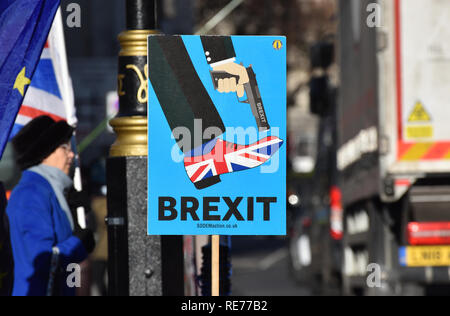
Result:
215,262
62,72
78,184
59,56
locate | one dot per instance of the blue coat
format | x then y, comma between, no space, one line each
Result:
37,224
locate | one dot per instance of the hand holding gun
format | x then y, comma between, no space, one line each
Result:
232,77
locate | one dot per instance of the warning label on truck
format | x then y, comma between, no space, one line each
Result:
425,71
419,131
419,123
419,114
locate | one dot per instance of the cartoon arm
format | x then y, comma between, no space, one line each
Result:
228,76
220,55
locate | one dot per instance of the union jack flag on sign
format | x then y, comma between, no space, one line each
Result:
226,157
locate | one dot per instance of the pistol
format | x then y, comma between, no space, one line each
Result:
253,95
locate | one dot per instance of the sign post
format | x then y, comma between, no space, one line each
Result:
215,255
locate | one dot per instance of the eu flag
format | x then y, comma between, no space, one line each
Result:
24,26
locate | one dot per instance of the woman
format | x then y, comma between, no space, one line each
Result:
45,237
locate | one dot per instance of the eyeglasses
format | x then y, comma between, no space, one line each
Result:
66,147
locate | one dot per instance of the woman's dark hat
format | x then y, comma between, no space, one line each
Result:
38,139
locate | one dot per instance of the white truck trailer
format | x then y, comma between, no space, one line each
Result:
393,156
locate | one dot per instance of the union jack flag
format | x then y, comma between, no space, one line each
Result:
24,27
226,157
50,92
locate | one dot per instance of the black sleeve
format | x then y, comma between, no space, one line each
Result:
217,48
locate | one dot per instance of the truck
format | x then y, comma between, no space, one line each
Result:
393,146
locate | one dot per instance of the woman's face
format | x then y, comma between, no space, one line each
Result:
61,158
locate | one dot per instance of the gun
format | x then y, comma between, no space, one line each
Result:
253,95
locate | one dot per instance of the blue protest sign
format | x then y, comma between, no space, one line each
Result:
217,135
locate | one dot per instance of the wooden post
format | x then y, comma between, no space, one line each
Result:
215,261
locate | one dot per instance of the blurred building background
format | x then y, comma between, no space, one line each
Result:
309,260
93,49
92,55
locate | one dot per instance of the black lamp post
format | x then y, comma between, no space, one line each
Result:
139,265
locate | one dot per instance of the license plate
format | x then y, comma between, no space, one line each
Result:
425,256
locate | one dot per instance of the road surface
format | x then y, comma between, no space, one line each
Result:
260,268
